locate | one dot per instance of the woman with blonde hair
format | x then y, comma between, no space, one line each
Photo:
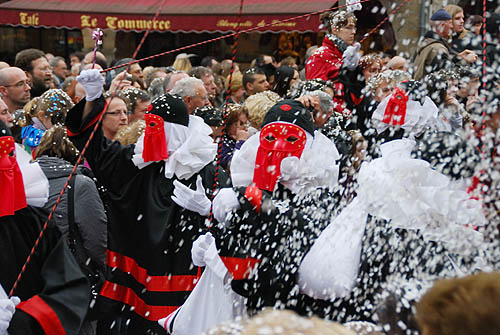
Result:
237,89
130,133
461,37
256,107
274,322
80,215
182,63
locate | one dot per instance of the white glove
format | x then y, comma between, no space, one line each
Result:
353,7
195,201
7,310
351,56
204,253
224,202
199,249
92,81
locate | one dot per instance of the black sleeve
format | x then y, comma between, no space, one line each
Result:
353,82
62,304
23,324
110,161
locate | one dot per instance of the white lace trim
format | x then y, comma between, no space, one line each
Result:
316,167
417,118
414,196
189,148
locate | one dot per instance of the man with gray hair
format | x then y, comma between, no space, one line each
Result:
193,93
309,52
59,70
321,104
171,79
207,77
5,116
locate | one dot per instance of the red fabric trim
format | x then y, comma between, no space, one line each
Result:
126,295
43,314
355,99
239,268
70,133
474,184
151,283
395,111
254,195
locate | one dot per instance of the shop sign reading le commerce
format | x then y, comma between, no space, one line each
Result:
143,22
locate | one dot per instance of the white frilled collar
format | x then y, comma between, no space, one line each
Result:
190,148
316,167
418,117
412,195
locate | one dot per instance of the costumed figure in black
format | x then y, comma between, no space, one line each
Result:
52,295
284,178
149,234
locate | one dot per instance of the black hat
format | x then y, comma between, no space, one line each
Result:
211,115
415,90
171,108
291,111
440,15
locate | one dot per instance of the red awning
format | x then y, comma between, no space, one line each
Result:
176,15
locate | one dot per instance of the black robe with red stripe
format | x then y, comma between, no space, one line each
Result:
149,236
54,292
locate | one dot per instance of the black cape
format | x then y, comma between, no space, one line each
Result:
53,290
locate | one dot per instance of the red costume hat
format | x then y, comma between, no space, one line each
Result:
11,179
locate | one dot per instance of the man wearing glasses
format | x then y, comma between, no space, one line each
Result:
15,88
37,68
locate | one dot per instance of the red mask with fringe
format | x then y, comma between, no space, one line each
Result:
395,112
277,141
155,143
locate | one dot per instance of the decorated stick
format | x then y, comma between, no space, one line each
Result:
97,37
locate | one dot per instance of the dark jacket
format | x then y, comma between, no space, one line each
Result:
229,146
433,55
466,40
280,239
